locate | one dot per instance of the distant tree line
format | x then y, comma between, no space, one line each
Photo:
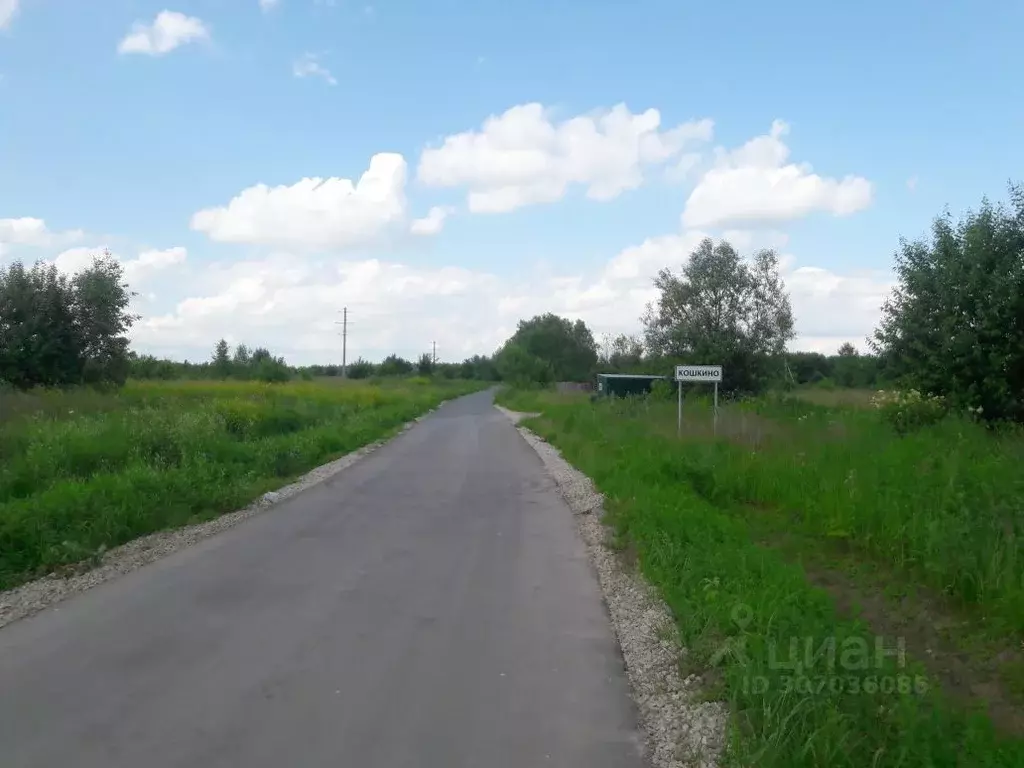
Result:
259,364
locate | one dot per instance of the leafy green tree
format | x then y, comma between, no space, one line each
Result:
954,325
393,365
846,349
721,310
425,365
241,358
273,370
222,359
809,367
624,354
360,369
516,365
57,331
567,349
259,355
478,367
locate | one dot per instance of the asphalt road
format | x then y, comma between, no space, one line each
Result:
431,606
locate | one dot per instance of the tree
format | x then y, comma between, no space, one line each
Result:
425,365
393,365
720,310
809,367
478,367
57,331
259,355
517,366
222,359
566,349
624,353
846,349
360,369
272,370
954,325
241,358
101,302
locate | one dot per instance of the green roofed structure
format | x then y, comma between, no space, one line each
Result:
623,384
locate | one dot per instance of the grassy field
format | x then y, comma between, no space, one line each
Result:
83,471
857,596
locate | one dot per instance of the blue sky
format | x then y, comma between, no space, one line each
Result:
121,149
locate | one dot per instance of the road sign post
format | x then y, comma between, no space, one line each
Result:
679,408
708,374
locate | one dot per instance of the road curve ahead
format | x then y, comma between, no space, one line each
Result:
431,606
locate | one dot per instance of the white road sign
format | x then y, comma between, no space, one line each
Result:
707,373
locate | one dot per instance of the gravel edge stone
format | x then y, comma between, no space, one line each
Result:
34,596
681,727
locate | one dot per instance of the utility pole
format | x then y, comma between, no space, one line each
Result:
344,341
433,357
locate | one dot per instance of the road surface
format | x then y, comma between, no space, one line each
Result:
431,606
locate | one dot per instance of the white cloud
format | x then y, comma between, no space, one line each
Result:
745,240
24,231
147,263
267,5
74,260
755,184
31,232
136,271
307,65
330,213
432,223
831,308
522,157
168,31
642,262
8,8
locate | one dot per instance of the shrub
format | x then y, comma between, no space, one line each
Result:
663,390
909,410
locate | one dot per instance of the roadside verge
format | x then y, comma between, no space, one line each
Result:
683,727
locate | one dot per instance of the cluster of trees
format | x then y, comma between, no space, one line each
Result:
246,364
847,368
954,326
548,348
479,367
57,330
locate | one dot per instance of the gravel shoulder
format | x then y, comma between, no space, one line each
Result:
682,728
39,594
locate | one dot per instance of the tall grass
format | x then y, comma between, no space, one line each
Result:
944,503
751,617
81,471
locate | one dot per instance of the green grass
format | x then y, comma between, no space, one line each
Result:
942,506
82,471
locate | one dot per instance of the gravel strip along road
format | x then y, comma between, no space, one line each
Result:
431,606
681,728
36,595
